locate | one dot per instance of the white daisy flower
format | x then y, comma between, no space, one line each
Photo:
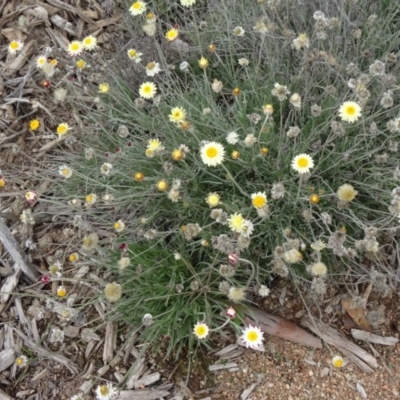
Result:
252,337
106,392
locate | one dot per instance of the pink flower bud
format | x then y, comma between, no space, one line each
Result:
233,258
230,312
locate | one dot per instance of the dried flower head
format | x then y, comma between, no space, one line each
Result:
113,291
346,192
236,294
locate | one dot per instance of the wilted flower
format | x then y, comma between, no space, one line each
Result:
113,291
280,91
346,192
301,41
236,294
292,256
263,291
216,86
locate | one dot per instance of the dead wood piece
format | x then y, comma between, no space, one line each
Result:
21,59
147,380
334,338
247,392
40,375
42,352
71,331
217,367
57,38
370,337
62,23
104,22
21,263
7,357
50,10
4,396
65,6
144,394
110,342
135,372
8,286
277,326
6,271
186,391
227,349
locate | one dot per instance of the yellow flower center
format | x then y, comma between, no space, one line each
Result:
14,45
136,5
151,66
65,171
104,390
314,199
88,41
338,363
139,176
75,46
238,31
177,155
73,257
150,15
132,53
211,152
61,292
213,200
350,110
177,114
259,201
162,185
237,221
61,129
117,225
201,330
147,89
81,64
252,336
53,269
20,361
302,162
89,198
264,151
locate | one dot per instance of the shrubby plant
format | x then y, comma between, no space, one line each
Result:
259,139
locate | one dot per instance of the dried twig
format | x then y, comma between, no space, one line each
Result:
334,338
16,253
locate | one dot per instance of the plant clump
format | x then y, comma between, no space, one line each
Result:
254,142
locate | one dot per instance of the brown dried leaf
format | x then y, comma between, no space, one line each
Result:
357,315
